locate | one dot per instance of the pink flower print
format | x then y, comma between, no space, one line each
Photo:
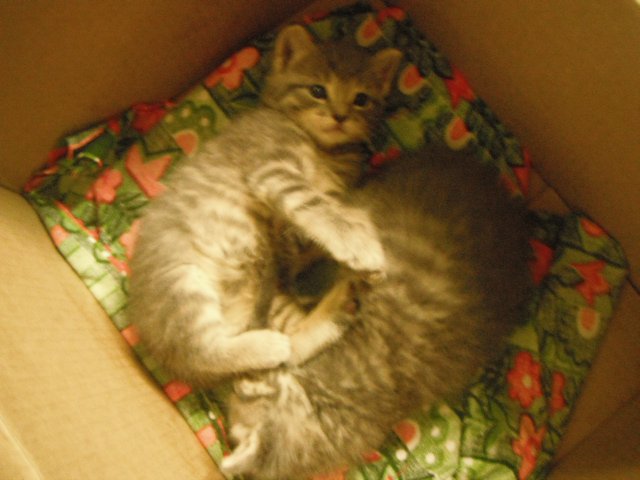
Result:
409,433
541,264
524,380
37,180
147,174
148,115
395,13
381,158
231,72
456,134
372,457
105,188
176,390
410,80
523,173
128,239
592,229
528,446
594,283
315,16
370,31
588,322
114,125
188,141
459,88
558,402
50,168
207,436
131,335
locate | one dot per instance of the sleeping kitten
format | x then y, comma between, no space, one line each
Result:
456,247
204,270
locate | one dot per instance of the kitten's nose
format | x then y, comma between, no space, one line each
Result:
339,118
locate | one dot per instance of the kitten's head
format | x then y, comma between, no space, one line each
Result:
333,91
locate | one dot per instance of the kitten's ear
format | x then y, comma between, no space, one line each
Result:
383,67
292,43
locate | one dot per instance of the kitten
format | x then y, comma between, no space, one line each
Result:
205,266
457,249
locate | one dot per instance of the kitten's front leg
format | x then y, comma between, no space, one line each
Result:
347,233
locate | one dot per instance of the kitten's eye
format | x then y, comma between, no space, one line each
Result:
361,100
318,91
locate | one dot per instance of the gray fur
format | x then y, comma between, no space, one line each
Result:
205,268
456,247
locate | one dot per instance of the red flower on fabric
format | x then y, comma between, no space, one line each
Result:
594,283
528,446
370,31
148,115
372,457
457,134
410,80
524,380
315,16
395,13
459,88
231,72
381,158
176,390
592,228
541,264
523,173
50,168
105,188
558,402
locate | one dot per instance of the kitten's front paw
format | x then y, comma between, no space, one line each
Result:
361,250
275,349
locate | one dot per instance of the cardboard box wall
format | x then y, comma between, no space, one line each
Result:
563,76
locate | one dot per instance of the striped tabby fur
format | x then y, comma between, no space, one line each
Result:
456,247
205,266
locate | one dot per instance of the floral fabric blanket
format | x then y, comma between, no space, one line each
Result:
94,187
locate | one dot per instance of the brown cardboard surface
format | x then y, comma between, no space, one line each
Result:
69,63
74,401
611,453
562,75
614,378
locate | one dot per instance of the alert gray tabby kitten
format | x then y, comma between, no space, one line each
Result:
205,266
457,250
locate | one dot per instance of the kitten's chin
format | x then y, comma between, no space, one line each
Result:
333,136
331,139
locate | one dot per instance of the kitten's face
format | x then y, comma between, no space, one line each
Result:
334,92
